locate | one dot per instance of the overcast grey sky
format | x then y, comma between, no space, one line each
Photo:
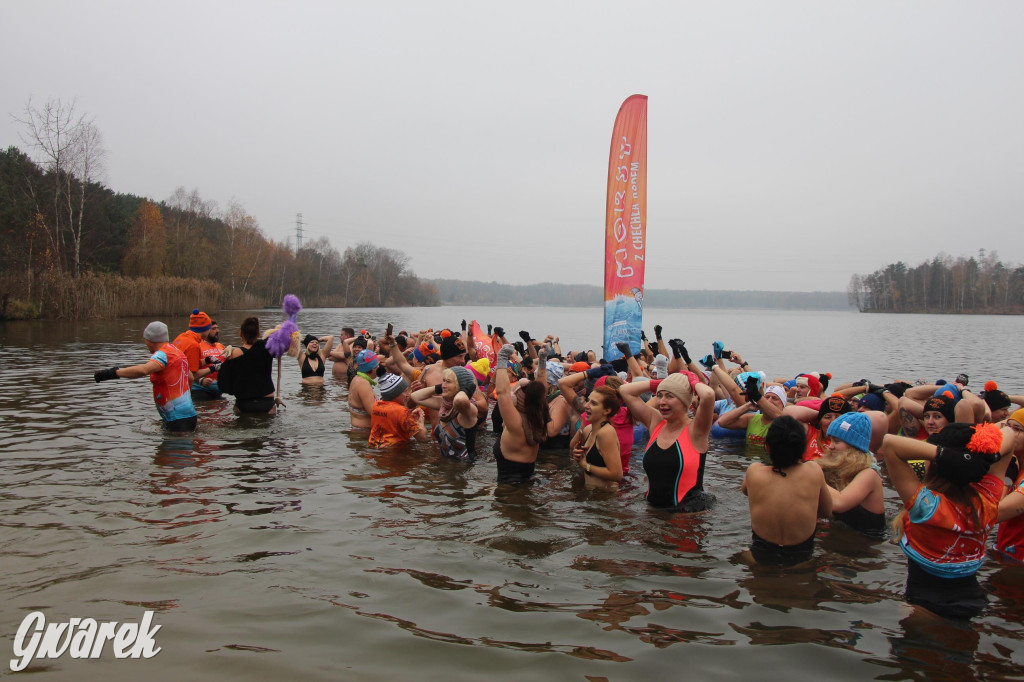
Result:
790,144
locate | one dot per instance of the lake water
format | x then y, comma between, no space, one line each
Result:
285,548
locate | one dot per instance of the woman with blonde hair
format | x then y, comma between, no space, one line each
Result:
457,413
854,481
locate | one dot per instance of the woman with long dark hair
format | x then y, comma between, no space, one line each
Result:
525,420
595,447
948,518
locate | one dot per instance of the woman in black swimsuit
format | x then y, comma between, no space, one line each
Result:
311,363
595,447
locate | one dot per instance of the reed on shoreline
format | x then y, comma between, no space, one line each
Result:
106,296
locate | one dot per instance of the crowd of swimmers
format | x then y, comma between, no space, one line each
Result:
951,454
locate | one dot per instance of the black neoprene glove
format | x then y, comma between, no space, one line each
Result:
500,331
682,351
489,330
654,348
106,374
624,348
520,347
753,393
525,336
657,331
463,325
897,389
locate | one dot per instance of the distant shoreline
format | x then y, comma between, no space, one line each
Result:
549,294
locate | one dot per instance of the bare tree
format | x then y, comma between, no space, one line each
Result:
52,131
87,162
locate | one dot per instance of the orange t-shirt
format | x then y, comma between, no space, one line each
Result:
391,423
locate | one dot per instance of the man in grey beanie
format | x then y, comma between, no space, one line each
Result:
167,368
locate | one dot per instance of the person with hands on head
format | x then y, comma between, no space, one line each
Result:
947,519
312,362
676,453
770,403
524,428
855,483
167,369
457,423
817,422
342,355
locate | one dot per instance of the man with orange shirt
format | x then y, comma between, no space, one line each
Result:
189,342
213,354
167,369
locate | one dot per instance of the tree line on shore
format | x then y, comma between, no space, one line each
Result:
72,247
461,292
942,285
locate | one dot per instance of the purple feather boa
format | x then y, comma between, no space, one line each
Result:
280,340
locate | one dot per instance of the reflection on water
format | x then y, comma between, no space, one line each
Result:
274,547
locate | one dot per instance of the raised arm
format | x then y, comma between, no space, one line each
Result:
326,344
503,391
400,361
704,417
428,397
641,411
567,385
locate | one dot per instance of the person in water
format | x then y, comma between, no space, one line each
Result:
312,362
756,414
816,422
190,341
595,447
677,450
457,412
342,355
786,498
167,369
524,427
1010,538
947,519
361,395
213,354
854,481
247,373
392,422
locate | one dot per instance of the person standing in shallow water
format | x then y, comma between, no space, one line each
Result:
167,369
247,372
786,498
524,429
676,452
947,519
